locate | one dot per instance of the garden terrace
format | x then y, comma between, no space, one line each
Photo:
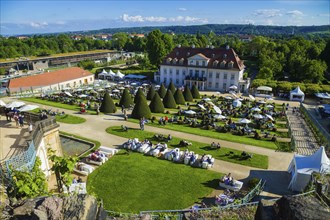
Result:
257,160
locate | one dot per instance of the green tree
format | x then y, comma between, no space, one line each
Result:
119,40
138,94
87,64
195,92
107,105
187,94
178,96
62,167
168,100
168,42
29,184
162,91
155,47
126,99
171,87
314,71
265,73
141,109
151,93
156,105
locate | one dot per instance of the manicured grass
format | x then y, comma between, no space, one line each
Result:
51,103
259,161
249,140
70,119
134,182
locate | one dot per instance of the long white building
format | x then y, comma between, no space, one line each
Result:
208,68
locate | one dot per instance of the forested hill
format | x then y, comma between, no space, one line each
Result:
221,29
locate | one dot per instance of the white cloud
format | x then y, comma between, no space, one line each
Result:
267,13
38,24
182,9
141,19
295,13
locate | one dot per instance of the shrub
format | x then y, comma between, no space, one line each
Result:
162,91
178,96
168,100
171,87
107,105
195,92
126,99
187,94
151,93
156,104
141,109
138,93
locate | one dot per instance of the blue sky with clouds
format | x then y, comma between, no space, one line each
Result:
44,16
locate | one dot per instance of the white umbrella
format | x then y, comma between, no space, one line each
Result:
126,86
157,86
100,90
269,106
2,103
145,84
252,97
218,93
262,102
133,84
68,94
121,82
219,116
237,103
82,96
270,117
15,104
258,116
207,99
107,86
245,121
217,109
89,88
26,108
228,97
79,90
121,88
256,109
202,107
115,90
233,87
190,112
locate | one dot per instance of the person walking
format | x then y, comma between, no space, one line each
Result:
21,120
142,124
16,119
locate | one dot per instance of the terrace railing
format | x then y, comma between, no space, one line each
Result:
254,192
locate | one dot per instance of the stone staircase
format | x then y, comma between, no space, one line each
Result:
306,143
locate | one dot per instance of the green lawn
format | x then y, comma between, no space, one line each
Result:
258,160
249,140
70,119
134,182
51,103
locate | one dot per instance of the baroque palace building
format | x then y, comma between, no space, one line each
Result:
217,69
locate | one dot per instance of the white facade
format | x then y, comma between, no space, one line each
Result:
202,71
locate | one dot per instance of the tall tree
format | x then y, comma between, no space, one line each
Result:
169,101
187,94
178,96
155,47
126,99
151,93
156,105
107,105
195,92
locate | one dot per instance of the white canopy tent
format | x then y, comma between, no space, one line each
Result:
120,75
301,168
297,95
264,92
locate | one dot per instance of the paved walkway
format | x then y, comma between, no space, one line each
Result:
306,143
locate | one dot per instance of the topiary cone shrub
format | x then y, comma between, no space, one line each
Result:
187,94
178,96
126,99
138,93
168,100
171,87
162,91
156,104
107,105
151,93
195,92
141,109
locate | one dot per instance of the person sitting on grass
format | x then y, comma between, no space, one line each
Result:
169,137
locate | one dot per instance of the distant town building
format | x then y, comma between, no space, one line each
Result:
72,77
208,68
137,35
22,37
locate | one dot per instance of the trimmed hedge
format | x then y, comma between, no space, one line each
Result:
141,109
156,104
107,106
168,100
187,94
178,96
126,99
195,92
151,93
162,91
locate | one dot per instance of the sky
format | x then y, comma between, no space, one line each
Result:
19,17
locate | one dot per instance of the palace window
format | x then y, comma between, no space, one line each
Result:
232,76
217,75
225,76
210,74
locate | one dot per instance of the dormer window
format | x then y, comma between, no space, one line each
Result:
168,61
177,53
213,55
215,63
197,63
231,64
175,60
225,56
181,61
188,54
223,64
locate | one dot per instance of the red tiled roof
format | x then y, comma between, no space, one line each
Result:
49,78
215,54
